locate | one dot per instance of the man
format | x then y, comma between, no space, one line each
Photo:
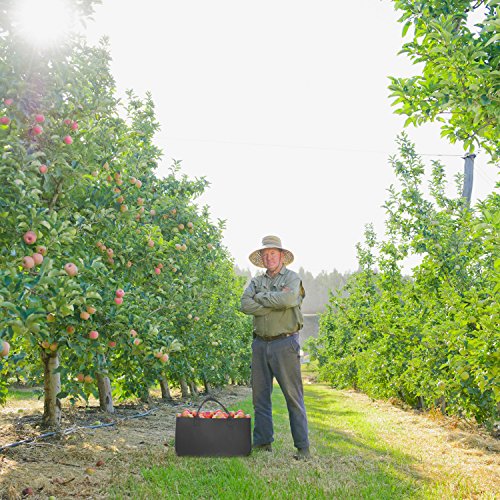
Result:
274,300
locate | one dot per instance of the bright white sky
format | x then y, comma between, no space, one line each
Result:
283,106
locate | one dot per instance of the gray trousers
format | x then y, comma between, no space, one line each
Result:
278,359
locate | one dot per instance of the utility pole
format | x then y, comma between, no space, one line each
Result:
468,177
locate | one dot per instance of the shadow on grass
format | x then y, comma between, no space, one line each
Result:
348,462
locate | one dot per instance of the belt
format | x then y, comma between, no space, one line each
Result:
275,337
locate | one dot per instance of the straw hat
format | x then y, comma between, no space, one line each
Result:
270,242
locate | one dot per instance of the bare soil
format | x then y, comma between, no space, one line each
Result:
84,463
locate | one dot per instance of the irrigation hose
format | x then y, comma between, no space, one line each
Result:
70,430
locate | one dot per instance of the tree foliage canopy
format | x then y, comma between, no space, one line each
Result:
460,81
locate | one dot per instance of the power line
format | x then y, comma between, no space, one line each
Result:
290,146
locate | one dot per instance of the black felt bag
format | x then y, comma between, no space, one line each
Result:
212,437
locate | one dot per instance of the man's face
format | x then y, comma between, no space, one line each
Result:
272,258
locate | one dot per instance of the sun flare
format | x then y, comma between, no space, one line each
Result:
43,22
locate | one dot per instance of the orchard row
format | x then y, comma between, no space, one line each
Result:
431,338
112,279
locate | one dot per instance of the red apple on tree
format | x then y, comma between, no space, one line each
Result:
93,335
120,292
28,262
67,139
84,315
71,269
43,169
37,130
119,300
29,237
37,258
41,249
8,101
80,377
5,348
39,118
4,120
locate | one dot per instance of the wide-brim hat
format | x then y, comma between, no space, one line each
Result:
270,242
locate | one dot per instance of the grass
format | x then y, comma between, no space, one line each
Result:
16,394
361,449
350,461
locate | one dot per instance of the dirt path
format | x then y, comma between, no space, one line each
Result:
67,467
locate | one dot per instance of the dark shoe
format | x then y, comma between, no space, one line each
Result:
302,454
263,447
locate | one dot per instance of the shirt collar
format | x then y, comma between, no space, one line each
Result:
281,271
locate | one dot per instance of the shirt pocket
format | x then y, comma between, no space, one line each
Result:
260,287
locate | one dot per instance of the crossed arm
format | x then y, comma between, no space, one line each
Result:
262,303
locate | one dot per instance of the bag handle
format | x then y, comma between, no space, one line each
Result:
215,401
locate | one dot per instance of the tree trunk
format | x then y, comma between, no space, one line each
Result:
184,388
105,396
194,389
441,402
207,386
145,397
165,389
52,387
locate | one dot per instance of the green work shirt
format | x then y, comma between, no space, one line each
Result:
274,311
